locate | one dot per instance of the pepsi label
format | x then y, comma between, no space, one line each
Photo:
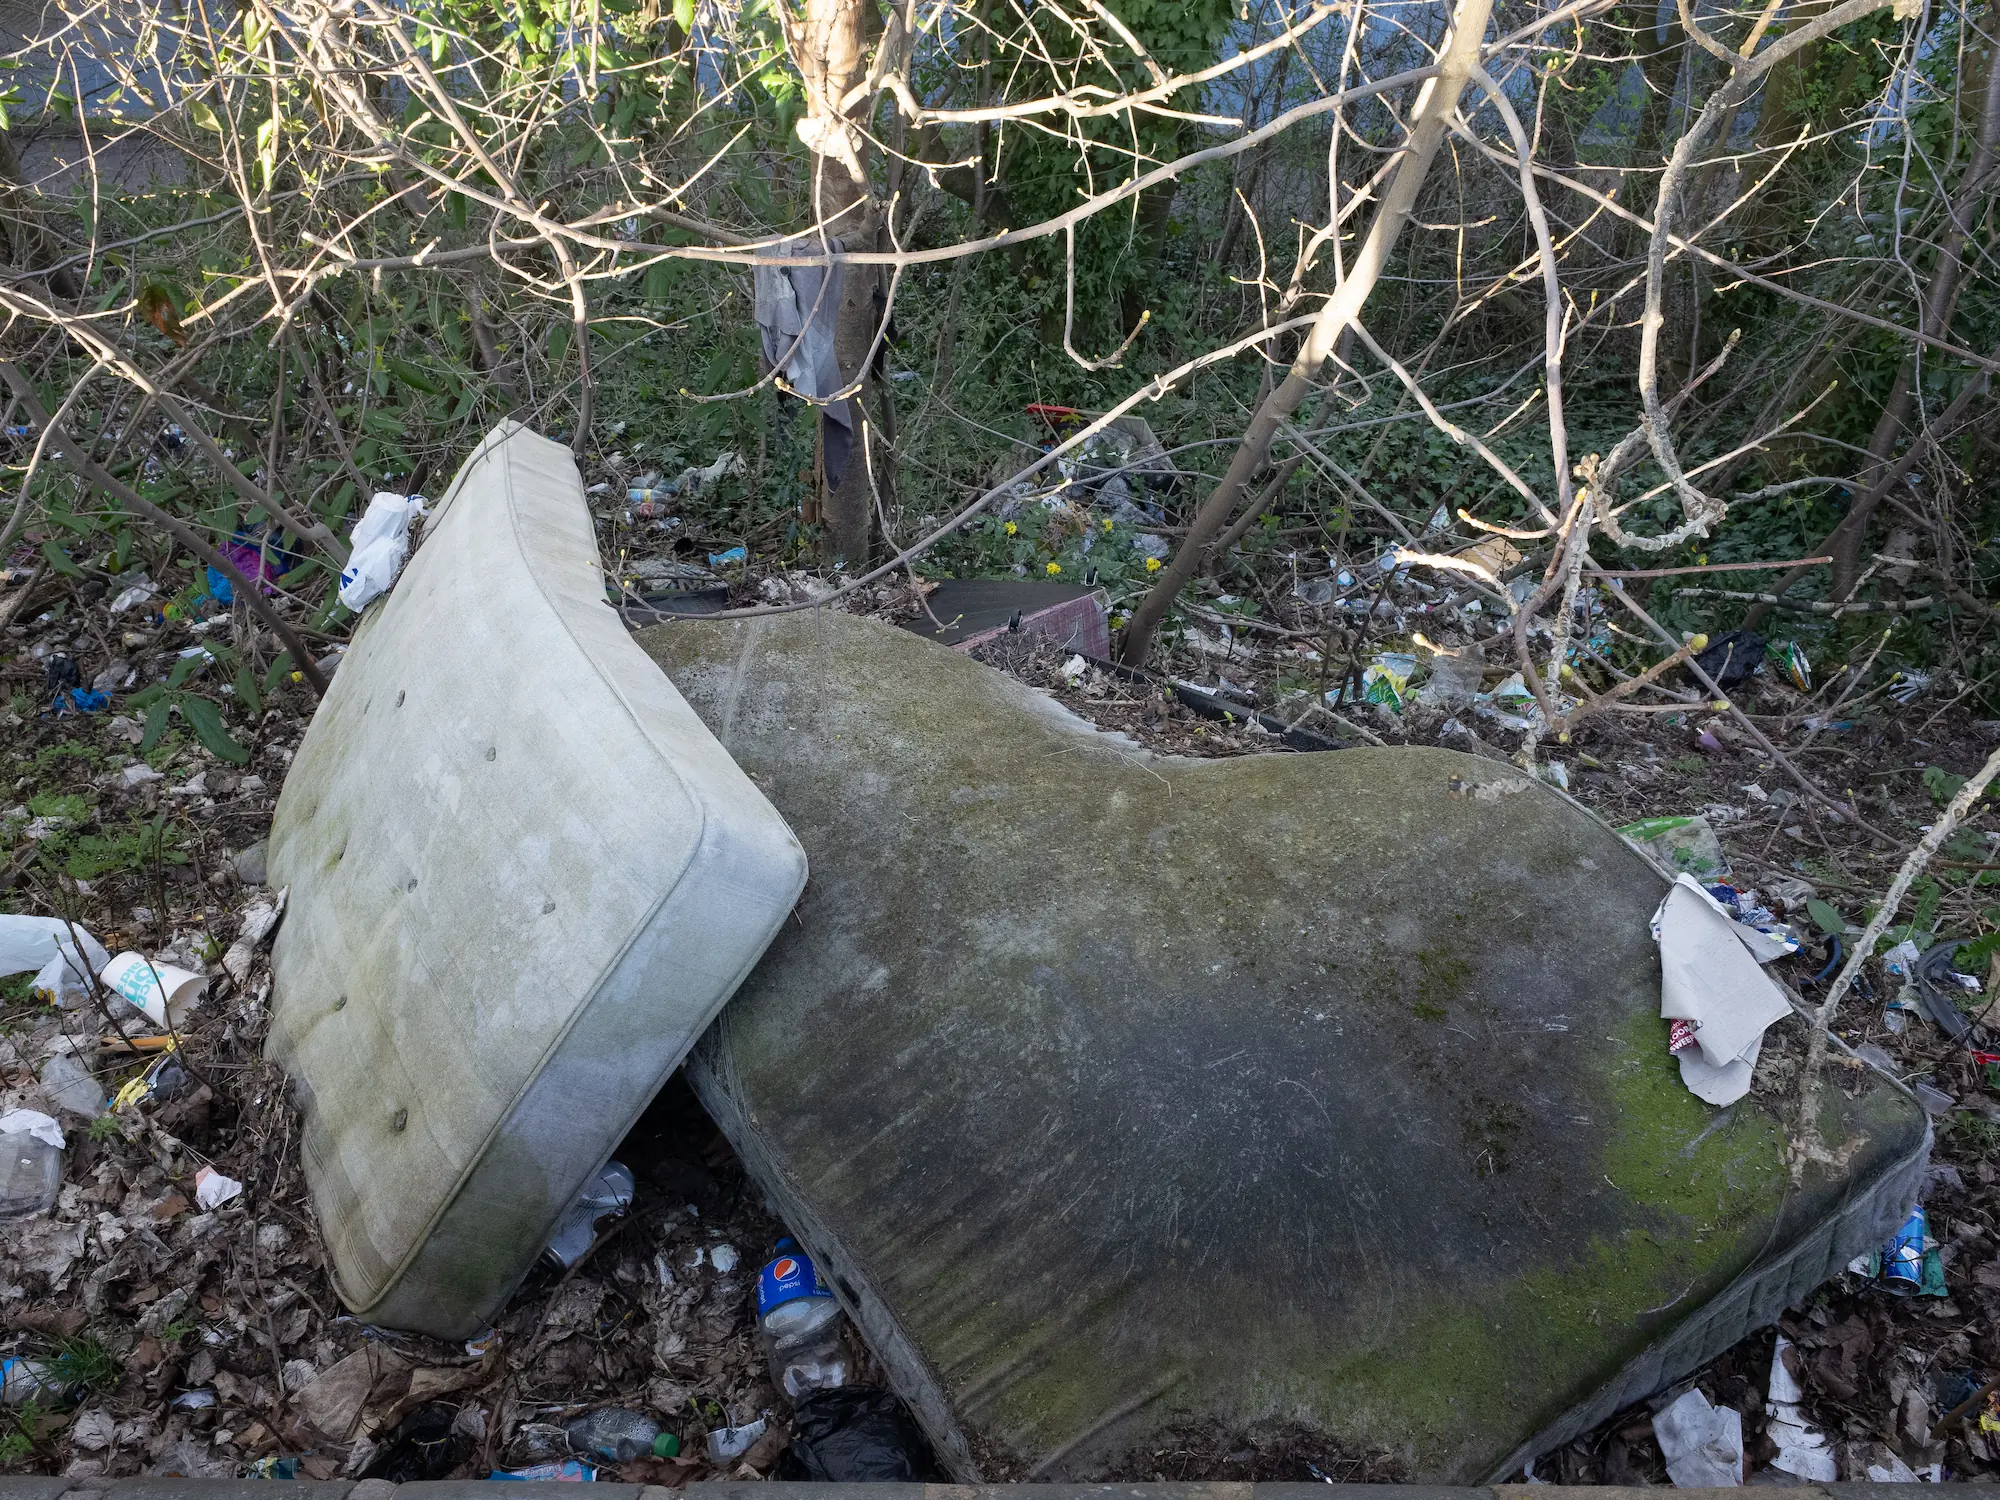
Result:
788,1278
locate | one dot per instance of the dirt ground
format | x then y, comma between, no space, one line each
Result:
211,1342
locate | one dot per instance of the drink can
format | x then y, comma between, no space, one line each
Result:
1903,1256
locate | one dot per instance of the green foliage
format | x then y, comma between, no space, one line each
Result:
1061,543
18,1445
87,1363
1942,784
70,808
1825,917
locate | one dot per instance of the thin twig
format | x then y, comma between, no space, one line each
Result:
1808,1147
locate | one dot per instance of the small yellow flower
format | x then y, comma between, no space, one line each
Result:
1054,568
1152,565
1012,528
1107,523
298,677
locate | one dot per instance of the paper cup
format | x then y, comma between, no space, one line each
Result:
160,990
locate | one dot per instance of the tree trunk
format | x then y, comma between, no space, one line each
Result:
34,248
832,47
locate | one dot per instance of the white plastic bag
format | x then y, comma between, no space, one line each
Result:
46,945
381,542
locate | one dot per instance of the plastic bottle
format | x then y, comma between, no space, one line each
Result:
800,1324
614,1432
29,1379
31,1164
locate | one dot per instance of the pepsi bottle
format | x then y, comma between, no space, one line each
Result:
800,1324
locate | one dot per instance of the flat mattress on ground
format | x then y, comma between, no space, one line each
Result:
523,878
1318,1091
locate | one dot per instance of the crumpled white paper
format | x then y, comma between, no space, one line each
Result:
1710,978
1802,1448
212,1189
381,541
1703,1444
49,945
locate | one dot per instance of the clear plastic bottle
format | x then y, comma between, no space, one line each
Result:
31,1164
800,1324
614,1432
29,1379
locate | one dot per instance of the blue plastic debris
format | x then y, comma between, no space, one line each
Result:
723,559
220,588
569,1471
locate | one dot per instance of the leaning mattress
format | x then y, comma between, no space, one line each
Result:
523,876
1126,1096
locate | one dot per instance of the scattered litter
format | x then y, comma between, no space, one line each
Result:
1731,658
63,955
24,1380
800,1324
381,541
1910,1264
693,481
1073,670
31,1163
1791,659
258,921
196,1400
1763,934
138,590
1934,1099
569,1471
1496,554
795,312
70,1087
1702,1444
1687,844
1710,978
1938,986
1386,680
1892,1470
726,1444
1802,1448
856,1435
162,1082
164,993
614,1432
1455,677
1907,687
734,557
1510,704
212,1189
608,1196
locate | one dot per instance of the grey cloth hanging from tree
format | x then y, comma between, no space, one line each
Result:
796,309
